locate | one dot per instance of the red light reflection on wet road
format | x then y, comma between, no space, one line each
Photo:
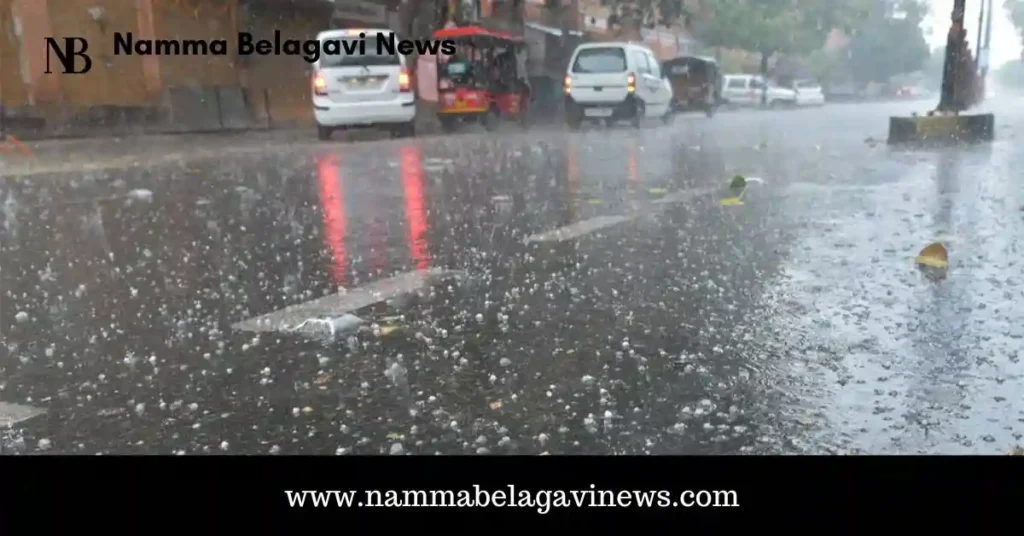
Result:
415,205
332,203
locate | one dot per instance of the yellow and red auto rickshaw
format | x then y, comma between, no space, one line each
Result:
484,81
696,83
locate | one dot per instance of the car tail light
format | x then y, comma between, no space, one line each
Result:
404,82
631,83
319,84
568,84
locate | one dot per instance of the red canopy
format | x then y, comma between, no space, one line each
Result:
475,31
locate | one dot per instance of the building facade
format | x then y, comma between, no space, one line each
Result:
246,89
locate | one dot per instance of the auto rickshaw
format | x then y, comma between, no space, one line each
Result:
485,80
696,83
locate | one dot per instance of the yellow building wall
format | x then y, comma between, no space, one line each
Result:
281,83
113,80
13,91
197,19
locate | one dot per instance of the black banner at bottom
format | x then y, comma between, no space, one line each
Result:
265,491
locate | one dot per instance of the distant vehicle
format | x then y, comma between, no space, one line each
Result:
808,93
696,83
911,92
364,89
746,89
612,81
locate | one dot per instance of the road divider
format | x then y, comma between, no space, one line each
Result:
334,313
12,414
578,229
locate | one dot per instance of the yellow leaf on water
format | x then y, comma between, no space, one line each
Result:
657,191
387,330
594,201
731,201
932,262
933,255
394,435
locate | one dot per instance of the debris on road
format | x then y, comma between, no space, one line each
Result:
934,255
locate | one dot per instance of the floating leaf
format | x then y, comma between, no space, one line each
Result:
394,435
496,404
388,330
594,201
731,201
934,255
738,182
657,191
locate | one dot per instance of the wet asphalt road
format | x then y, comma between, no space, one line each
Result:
665,323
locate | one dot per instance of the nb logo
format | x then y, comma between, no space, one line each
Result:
74,47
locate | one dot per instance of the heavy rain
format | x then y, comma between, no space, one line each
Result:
745,282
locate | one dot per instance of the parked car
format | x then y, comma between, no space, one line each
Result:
746,90
612,81
354,90
808,93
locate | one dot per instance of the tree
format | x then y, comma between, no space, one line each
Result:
829,67
887,45
768,27
1015,8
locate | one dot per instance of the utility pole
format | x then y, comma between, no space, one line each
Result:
988,35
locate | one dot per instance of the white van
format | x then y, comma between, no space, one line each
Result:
614,81
357,90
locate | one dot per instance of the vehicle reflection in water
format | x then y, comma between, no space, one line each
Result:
332,202
632,174
415,205
383,253
572,174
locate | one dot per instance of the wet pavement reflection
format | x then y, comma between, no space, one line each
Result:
606,301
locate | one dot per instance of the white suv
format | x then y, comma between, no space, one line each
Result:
362,89
614,81
746,90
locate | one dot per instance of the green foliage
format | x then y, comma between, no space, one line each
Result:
1015,8
786,26
829,67
886,46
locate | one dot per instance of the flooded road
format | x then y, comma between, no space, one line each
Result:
522,293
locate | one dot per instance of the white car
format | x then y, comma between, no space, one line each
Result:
613,81
809,93
746,90
363,89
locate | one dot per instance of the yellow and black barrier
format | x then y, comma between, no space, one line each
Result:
968,128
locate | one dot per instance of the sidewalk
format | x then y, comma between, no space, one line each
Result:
61,155
104,151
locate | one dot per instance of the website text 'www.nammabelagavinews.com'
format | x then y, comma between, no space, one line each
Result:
543,501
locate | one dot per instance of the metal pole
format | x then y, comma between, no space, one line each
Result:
988,32
981,28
